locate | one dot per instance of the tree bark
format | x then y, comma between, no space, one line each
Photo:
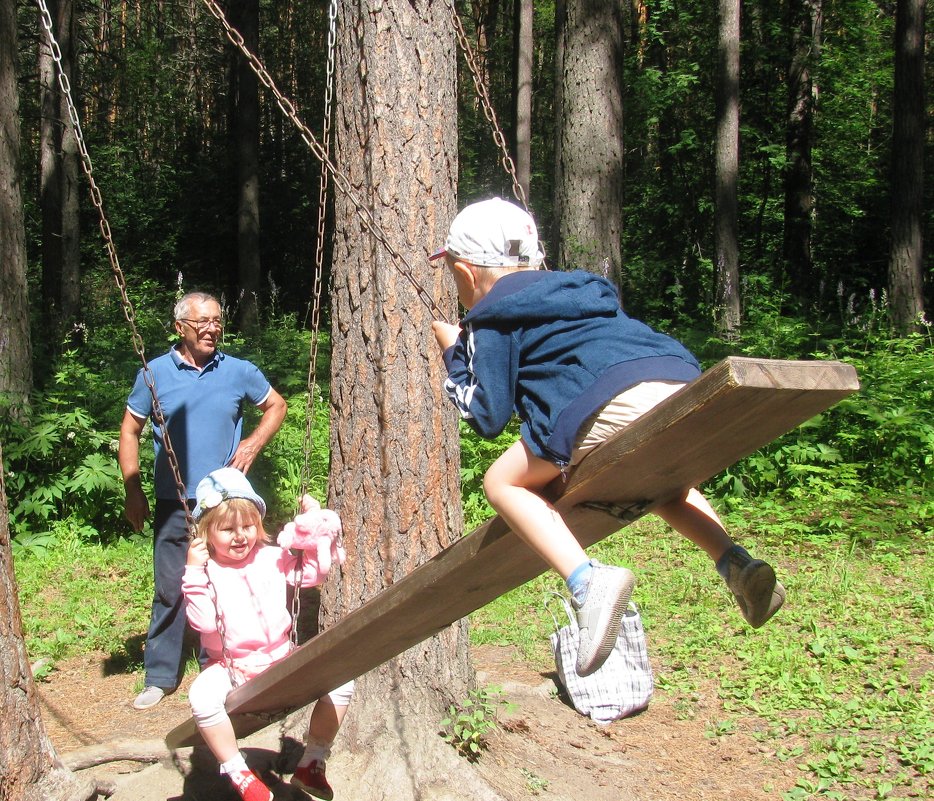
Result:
29,767
394,441
245,17
906,289
804,24
59,180
15,349
589,140
523,93
726,246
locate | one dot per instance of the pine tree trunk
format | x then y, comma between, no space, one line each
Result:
906,289
245,17
804,24
70,298
726,246
523,92
394,441
589,140
29,768
15,349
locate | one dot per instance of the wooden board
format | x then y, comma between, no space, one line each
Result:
733,409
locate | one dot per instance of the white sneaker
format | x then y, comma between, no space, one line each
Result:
601,613
149,697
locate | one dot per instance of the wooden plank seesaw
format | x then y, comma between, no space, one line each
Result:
734,408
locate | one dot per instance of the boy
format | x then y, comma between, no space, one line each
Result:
557,349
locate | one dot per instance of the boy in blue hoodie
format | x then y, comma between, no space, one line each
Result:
556,349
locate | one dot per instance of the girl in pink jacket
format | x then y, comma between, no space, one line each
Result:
248,577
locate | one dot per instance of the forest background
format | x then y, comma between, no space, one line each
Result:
161,104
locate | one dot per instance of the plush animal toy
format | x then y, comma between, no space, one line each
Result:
319,531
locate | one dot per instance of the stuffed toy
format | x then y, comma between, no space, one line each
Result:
319,531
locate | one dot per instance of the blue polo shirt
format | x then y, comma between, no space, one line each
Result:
203,410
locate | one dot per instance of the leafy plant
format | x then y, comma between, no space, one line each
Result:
468,723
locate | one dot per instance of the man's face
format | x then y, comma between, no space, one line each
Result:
200,330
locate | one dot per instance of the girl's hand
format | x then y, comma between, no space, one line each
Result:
445,333
197,553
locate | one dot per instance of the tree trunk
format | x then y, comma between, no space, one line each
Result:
804,23
394,441
71,177
59,179
245,16
15,350
29,768
523,92
726,247
906,291
589,140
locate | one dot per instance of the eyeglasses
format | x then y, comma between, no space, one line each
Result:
205,324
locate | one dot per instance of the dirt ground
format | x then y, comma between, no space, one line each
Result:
542,749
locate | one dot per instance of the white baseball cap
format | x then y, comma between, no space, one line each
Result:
493,233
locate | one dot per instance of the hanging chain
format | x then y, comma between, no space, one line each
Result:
399,261
316,306
128,311
498,138
319,248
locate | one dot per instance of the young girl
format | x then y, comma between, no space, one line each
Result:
248,577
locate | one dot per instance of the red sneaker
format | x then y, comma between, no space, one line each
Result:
312,780
250,787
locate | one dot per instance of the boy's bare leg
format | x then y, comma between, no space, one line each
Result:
512,485
693,517
599,593
758,594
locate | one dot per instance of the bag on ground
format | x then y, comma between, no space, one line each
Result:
623,684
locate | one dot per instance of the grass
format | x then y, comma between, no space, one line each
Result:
838,684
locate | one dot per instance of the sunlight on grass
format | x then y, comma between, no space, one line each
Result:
838,683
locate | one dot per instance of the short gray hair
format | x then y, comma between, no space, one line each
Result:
183,307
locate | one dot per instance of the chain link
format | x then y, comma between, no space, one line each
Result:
319,248
316,305
498,138
128,311
399,261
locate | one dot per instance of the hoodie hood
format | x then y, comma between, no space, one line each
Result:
541,296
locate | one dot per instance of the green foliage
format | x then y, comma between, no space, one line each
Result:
880,439
838,684
469,722
477,454
77,597
60,465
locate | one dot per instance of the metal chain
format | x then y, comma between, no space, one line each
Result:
498,138
316,306
399,261
128,311
319,249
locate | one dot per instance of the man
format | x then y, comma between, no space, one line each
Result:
201,391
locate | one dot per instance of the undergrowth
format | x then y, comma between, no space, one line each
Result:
838,684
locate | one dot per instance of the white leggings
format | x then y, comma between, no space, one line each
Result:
209,692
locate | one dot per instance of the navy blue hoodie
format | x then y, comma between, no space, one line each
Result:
553,347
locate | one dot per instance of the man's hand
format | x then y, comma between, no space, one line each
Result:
245,456
197,553
137,507
445,333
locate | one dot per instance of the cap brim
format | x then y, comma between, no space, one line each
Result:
438,254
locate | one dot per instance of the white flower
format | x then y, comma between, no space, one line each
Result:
211,499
